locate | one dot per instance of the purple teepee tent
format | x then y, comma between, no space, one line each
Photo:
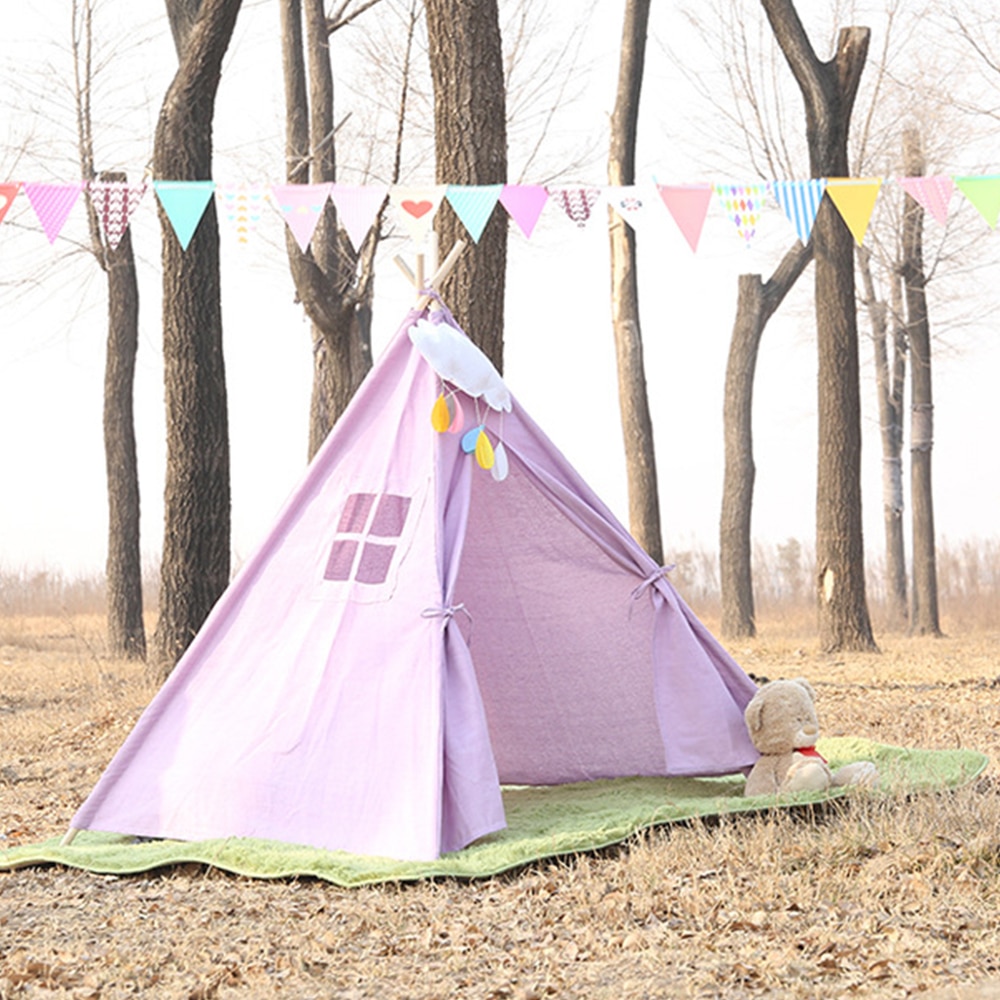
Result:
415,631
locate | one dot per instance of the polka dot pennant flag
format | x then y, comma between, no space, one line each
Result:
743,204
302,207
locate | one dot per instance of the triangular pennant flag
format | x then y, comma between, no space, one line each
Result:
474,205
184,203
632,202
524,204
357,205
743,204
577,202
416,207
688,204
302,207
799,200
984,193
8,192
114,202
855,200
241,206
931,193
52,204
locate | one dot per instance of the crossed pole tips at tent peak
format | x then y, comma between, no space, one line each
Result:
416,278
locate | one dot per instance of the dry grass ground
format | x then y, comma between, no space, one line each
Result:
874,899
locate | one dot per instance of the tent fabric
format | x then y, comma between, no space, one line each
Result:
411,635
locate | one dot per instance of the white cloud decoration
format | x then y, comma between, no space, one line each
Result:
457,360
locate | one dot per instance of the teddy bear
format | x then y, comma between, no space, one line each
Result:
783,726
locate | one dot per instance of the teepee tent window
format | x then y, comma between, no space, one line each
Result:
358,520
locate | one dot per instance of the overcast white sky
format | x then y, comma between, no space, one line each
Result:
559,360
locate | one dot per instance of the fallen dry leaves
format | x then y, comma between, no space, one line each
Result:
871,898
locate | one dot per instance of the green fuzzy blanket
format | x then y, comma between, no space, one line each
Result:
542,822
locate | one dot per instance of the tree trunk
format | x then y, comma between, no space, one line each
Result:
195,562
123,577
633,400
828,90
925,620
126,631
756,303
334,282
889,388
470,143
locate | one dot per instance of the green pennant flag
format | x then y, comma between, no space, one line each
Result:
984,193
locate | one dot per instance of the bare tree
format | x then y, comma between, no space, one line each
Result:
195,560
925,620
828,91
470,137
126,631
333,281
637,424
756,303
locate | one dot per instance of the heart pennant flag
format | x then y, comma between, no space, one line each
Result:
357,205
524,204
931,193
688,205
241,207
855,200
184,203
52,204
416,208
799,200
743,204
577,202
8,192
114,202
984,193
632,202
302,206
474,205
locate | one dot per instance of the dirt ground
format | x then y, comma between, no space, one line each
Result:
874,899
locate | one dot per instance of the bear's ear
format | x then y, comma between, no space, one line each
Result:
803,683
754,715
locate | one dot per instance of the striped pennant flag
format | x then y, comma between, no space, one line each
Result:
799,200
52,204
931,193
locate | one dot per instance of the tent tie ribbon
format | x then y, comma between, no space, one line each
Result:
660,573
446,614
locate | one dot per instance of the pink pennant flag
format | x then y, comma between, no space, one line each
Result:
52,204
524,204
577,202
932,193
8,192
688,204
357,205
302,207
114,202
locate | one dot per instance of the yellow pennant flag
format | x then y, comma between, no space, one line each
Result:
855,200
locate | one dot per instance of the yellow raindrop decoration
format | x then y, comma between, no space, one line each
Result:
484,451
441,414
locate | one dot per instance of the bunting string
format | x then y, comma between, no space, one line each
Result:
301,206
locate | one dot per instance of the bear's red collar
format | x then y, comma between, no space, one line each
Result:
810,752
